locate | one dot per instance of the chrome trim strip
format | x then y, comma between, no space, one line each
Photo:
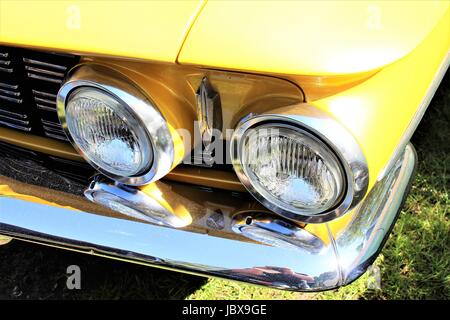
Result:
11,93
44,71
10,99
14,114
50,123
37,99
15,126
206,254
8,70
5,63
56,136
9,86
138,104
327,130
4,55
38,77
44,94
44,64
54,130
414,123
46,108
23,122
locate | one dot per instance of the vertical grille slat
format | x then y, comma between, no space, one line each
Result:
29,83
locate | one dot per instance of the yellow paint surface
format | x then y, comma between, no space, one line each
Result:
152,30
378,111
308,37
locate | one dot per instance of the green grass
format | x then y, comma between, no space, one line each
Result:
415,263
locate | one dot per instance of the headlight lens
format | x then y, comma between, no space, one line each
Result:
291,169
107,133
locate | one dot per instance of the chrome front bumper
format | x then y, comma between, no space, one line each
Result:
344,258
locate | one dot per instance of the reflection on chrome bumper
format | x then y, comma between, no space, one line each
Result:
4,240
343,258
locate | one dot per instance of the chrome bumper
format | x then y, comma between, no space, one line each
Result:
344,258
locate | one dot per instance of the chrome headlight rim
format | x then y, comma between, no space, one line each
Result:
137,103
333,135
264,195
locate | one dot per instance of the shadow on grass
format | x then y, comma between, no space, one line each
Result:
31,271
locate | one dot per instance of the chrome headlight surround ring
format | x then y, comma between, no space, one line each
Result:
137,103
318,123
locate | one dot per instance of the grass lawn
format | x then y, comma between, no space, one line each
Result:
415,263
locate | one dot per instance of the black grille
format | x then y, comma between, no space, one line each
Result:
29,82
44,170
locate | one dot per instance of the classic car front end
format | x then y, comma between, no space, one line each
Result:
259,142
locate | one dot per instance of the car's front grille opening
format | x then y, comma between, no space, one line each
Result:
44,170
29,82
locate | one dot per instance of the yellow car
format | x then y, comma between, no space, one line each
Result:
265,142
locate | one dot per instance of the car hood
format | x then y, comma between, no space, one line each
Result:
150,30
308,37
292,37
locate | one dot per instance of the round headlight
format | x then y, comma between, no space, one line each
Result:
303,166
291,168
115,126
107,133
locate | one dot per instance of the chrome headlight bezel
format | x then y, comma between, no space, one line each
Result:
333,135
137,103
